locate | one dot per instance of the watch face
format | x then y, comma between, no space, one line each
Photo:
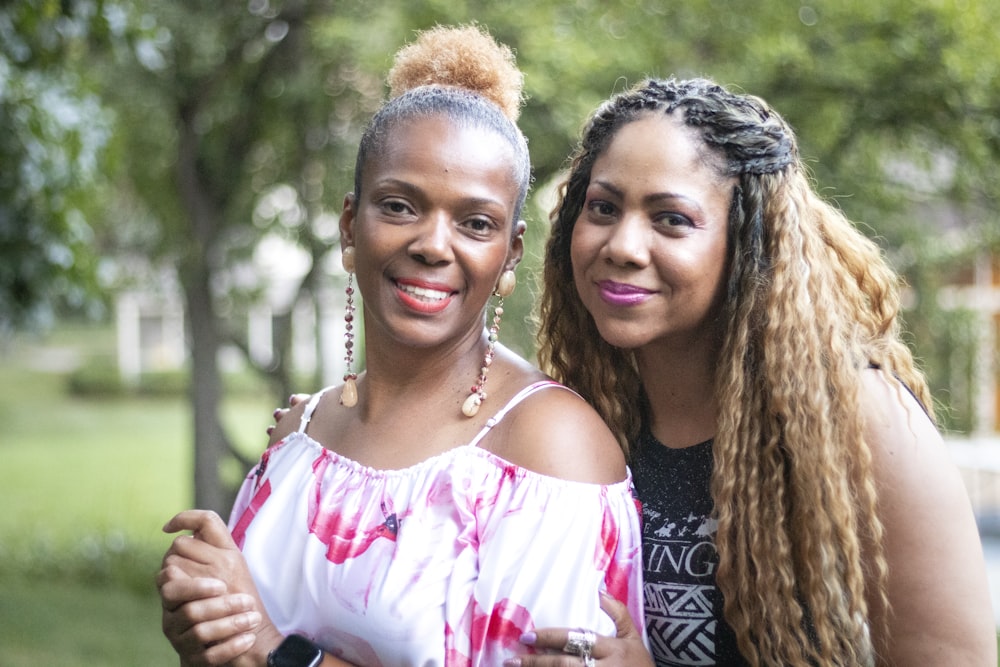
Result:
295,651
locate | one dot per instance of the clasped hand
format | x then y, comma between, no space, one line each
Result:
212,612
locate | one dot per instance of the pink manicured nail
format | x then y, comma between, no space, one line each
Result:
529,639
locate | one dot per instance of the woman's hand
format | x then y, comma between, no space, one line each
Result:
626,648
212,613
279,414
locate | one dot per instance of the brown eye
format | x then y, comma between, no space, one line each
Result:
674,220
480,227
600,208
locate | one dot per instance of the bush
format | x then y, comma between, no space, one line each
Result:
96,378
163,383
99,378
95,559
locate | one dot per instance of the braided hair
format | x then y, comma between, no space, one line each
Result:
810,301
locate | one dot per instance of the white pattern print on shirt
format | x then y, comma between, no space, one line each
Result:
679,608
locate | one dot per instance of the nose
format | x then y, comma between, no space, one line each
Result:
432,243
628,242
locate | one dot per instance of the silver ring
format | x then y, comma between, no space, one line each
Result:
588,661
581,643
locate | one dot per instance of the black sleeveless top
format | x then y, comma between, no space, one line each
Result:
683,606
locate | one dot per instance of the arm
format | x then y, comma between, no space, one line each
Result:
583,550
547,564
940,605
212,612
202,619
578,446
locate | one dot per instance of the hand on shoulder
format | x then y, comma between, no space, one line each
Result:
286,420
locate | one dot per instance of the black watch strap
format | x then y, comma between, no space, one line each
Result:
295,651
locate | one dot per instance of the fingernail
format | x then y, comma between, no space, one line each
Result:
512,662
270,430
529,639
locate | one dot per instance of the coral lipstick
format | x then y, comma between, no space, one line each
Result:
622,294
423,297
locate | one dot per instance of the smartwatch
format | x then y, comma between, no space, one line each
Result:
295,651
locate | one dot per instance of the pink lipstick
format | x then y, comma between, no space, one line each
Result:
622,294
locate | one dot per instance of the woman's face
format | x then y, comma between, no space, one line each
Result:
432,230
649,249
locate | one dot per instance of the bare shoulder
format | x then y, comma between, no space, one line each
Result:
908,452
555,432
938,592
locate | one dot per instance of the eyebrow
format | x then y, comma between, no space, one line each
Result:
650,198
412,189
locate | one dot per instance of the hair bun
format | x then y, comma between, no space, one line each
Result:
464,56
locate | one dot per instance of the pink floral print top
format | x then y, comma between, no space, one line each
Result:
446,562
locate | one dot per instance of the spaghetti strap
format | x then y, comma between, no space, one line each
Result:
310,409
513,403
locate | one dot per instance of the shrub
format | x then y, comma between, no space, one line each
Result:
96,378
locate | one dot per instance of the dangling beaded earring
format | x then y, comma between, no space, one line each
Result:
505,287
349,395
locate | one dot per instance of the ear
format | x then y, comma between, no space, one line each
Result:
516,252
347,217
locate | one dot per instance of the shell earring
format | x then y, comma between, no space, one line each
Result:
505,287
349,395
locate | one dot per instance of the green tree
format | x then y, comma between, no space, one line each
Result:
55,129
216,106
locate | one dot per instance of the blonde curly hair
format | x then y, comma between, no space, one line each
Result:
460,72
811,301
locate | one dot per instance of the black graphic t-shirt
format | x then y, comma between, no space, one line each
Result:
683,606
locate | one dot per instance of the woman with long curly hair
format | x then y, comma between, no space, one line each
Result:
742,339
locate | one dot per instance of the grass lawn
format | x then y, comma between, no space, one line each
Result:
87,484
74,624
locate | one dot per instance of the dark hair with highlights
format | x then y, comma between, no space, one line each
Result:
810,302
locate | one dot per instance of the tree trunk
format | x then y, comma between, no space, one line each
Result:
210,442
